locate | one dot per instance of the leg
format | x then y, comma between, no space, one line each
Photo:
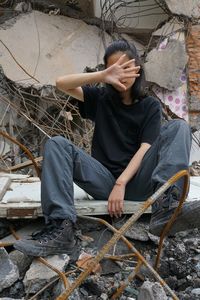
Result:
168,155
63,164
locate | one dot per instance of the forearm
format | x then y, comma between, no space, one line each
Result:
133,165
73,81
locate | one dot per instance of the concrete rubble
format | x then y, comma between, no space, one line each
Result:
9,272
62,41
171,60
151,291
188,8
38,274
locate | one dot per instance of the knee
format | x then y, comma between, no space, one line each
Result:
179,124
55,142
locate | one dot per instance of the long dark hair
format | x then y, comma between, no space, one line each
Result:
138,90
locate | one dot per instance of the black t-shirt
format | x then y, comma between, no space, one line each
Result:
119,129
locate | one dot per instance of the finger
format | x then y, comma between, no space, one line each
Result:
117,209
127,63
109,208
114,209
121,205
121,59
130,75
135,69
121,86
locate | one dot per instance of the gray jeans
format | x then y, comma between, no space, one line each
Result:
64,163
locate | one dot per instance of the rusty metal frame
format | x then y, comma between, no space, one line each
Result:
119,234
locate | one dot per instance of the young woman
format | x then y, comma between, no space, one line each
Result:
132,155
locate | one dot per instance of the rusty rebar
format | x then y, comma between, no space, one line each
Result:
60,274
6,244
137,253
118,234
6,135
166,229
131,276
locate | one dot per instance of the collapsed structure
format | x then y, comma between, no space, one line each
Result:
42,40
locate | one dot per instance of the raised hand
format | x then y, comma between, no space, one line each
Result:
120,71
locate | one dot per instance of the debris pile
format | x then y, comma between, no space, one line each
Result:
179,267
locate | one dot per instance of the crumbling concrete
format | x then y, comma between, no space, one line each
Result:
9,272
59,48
21,260
39,274
164,67
151,291
188,8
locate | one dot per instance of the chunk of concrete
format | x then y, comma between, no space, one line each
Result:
9,272
21,260
189,8
39,274
151,291
164,67
66,46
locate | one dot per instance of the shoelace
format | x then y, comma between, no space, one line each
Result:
49,232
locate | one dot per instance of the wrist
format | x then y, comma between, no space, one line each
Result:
102,76
120,183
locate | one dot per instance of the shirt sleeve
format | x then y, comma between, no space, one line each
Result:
152,123
88,107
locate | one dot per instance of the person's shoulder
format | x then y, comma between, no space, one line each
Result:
93,88
150,101
91,91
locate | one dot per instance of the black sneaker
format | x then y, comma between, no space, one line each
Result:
56,238
163,208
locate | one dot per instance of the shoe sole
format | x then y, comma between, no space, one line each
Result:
189,218
39,251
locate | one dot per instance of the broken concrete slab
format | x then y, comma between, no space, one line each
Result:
169,28
9,299
164,67
151,291
138,231
39,274
4,185
62,49
13,205
9,272
188,8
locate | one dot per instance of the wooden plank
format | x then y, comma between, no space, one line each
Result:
24,164
13,176
83,207
4,185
